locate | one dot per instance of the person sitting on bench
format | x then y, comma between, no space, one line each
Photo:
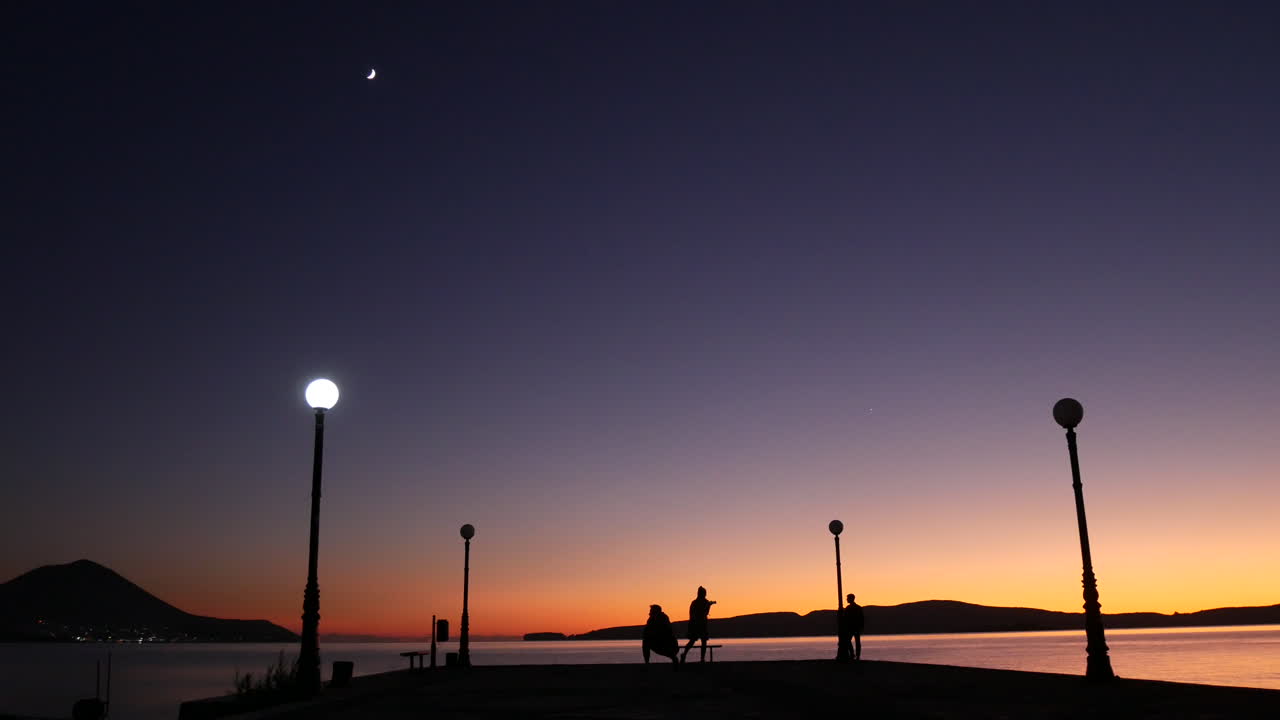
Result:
659,637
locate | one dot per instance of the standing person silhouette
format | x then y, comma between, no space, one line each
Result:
698,611
844,644
856,621
659,637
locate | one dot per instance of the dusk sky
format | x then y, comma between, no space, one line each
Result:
648,292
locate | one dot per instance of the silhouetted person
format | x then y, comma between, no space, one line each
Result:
852,623
844,643
698,611
659,637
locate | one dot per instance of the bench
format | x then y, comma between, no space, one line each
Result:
711,651
421,655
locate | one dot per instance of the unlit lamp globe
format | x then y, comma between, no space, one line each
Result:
836,527
1068,412
322,394
467,531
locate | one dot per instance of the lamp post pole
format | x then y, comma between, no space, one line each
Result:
1068,413
321,395
464,645
836,527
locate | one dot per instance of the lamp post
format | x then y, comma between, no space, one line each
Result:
467,531
1068,413
321,395
433,642
836,527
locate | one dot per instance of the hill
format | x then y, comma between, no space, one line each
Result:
545,636
84,600
946,616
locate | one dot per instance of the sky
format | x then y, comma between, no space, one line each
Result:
648,292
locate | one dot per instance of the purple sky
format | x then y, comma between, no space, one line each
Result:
630,271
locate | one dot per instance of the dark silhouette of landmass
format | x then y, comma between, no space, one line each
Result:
945,616
86,601
367,638
545,636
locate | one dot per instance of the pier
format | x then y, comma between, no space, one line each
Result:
707,691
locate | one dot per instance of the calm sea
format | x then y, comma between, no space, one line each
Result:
149,681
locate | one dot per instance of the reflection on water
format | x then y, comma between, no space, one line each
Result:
149,681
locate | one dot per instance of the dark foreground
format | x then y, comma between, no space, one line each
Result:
769,690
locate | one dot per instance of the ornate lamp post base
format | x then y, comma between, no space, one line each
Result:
309,656
1099,663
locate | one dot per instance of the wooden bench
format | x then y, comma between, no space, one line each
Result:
711,651
421,655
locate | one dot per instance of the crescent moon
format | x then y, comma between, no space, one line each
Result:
373,73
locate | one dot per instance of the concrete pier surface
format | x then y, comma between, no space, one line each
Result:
711,691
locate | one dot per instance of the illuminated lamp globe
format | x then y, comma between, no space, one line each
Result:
836,527
1068,412
467,531
322,394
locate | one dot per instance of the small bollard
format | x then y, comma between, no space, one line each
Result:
342,670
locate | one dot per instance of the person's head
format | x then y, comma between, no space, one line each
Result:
654,609
702,592
850,598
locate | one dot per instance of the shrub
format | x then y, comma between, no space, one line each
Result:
280,678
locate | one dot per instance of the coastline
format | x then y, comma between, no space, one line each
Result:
362,640
916,634
948,617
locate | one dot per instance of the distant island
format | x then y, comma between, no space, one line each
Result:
937,616
545,636
86,602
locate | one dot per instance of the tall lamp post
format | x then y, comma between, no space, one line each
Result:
1068,413
467,531
836,527
321,395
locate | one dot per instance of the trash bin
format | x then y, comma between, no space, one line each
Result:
451,660
342,670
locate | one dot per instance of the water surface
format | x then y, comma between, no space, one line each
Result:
149,681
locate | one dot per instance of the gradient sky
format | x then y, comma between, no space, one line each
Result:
648,292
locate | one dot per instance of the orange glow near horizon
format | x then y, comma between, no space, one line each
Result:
522,585
1172,529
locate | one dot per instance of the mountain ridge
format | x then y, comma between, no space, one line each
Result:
84,600
942,616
